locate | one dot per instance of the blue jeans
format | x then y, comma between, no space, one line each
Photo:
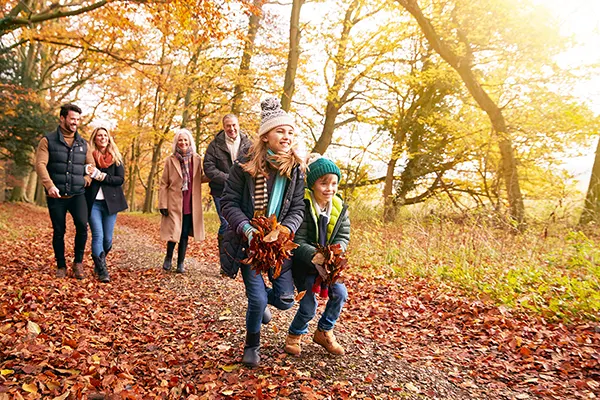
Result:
102,225
308,307
224,223
259,295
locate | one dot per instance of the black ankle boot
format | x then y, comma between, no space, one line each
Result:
251,356
167,264
103,275
97,264
181,250
100,268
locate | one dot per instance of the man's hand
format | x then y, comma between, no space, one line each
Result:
87,180
54,192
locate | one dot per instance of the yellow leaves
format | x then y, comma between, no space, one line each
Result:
33,328
63,396
29,388
6,372
229,368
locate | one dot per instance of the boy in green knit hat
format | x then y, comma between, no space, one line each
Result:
326,222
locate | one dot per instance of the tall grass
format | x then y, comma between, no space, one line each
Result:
551,271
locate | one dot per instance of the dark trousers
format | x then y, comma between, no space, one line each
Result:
187,227
78,209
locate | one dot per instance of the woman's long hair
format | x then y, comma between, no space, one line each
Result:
112,148
186,132
257,164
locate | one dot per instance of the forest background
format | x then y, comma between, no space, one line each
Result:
452,120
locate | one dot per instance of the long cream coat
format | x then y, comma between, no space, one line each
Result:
170,197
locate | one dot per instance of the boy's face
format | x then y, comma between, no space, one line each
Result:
325,188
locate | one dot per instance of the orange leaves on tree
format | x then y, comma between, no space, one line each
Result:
270,246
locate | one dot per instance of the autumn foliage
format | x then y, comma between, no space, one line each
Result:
148,334
330,262
270,246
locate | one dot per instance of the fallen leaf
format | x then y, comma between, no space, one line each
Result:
34,328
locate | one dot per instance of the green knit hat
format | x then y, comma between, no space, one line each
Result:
319,166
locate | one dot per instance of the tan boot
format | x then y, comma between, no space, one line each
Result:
78,270
293,344
327,340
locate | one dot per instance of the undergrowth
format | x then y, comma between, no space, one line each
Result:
551,271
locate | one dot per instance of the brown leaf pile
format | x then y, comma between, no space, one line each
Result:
271,245
330,261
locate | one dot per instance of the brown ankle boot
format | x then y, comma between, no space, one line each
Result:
327,340
293,344
78,270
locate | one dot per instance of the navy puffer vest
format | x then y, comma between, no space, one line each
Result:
66,165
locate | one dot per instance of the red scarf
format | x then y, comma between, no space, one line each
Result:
103,160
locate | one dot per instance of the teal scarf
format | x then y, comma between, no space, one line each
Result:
277,192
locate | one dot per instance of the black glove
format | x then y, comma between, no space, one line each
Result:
164,212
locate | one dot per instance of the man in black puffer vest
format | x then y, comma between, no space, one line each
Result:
60,163
226,147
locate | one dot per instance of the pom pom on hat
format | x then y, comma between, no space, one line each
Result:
272,116
319,166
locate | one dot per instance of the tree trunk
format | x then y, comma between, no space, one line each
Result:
334,99
40,194
293,56
3,176
19,173
132,173
463,66
149,198
389,208
31,186
242,84
591,208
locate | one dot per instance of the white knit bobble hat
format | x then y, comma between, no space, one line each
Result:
272,116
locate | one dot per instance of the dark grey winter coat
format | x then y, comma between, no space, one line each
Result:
217,161
237,207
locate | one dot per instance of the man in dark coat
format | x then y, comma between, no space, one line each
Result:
60,163
226,147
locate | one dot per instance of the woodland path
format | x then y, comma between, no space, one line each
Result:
151,334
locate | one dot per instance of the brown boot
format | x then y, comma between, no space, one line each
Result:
61,273
293,344
327,340
78,270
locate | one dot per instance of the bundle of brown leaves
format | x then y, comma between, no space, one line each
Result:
330,262
271,245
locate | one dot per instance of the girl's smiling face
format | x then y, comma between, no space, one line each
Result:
279,139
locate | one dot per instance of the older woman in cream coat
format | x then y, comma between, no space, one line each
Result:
180,198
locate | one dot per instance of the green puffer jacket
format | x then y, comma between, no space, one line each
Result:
307,236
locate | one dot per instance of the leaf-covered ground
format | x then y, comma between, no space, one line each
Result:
150,334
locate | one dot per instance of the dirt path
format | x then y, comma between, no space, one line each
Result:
151,334
368,370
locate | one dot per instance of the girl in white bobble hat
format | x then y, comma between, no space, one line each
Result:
268,181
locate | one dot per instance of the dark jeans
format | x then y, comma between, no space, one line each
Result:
224,223
259,295
78,209
187,226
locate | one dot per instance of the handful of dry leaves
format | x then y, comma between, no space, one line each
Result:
270,246
329,262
